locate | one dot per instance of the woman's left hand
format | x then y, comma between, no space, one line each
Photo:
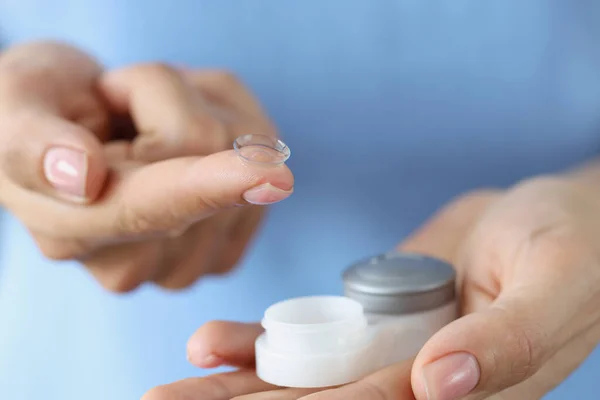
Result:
528,266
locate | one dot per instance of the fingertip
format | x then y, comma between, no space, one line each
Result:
418,384
206,362
168,195
277,174
221,342
201,345
73,173
227,180
435,364
266,194
451,377
49,155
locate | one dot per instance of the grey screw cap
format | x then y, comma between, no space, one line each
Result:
400,283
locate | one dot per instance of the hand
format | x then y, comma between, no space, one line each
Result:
528,271
128,171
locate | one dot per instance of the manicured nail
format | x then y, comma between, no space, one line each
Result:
66,170
451,377
266,194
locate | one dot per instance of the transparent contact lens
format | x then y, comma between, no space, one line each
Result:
261,149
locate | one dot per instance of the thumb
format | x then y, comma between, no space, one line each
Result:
46,154
485,352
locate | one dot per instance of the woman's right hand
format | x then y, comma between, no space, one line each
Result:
131,171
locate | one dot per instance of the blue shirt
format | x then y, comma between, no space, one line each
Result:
390,108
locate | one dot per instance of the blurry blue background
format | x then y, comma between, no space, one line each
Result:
390,108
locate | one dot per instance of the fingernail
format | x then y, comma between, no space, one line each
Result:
266,194
451,377
199,358
66,170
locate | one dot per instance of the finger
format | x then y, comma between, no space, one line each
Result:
443,235
495,348
488,351
226,90
190,255
48,155
215,387
49,76
119,151
230,101
122,268
171,117
62,249
281,394
162,197
391,383
51,121
557,369
237,238
220,342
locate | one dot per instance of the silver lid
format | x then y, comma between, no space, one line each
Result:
400,283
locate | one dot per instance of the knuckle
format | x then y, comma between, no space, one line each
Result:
175,283
206,205
201,134
131,221
18,77
542,182
223,269
178,278
122,269
207,134
226,79
60,250
56,253
373,391
524,348
526,351
137,222
206,125
158,69
474,199
212,329
119,282
216,386
464,209
557,247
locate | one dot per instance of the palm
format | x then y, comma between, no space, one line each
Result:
508,250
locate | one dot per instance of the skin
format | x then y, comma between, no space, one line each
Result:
527,260
165,199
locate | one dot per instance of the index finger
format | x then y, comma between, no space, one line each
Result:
391,383
159,198
222,342
215,387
